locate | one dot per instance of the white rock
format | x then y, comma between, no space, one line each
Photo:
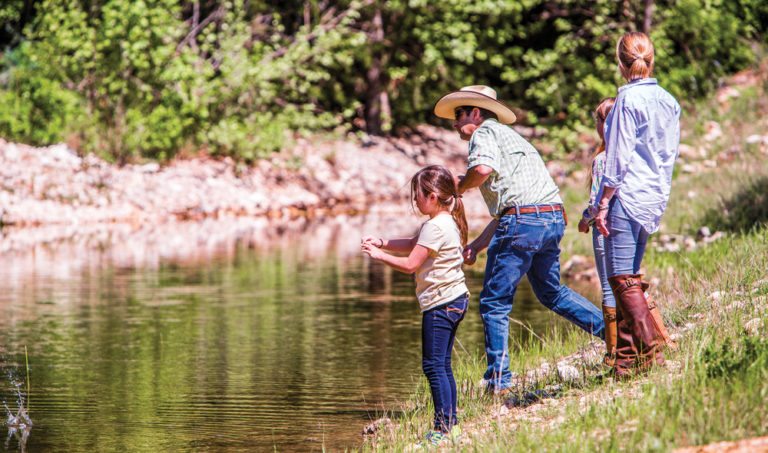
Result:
713,131
753,326
754,139
568,373
151,167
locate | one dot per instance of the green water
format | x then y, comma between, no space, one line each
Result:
291,348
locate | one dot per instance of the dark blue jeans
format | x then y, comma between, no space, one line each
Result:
527,244
438,331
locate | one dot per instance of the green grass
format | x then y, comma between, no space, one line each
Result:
716,388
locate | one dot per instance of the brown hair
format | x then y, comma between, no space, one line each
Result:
634,52
438,180
600,114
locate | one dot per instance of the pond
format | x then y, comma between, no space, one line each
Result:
209,337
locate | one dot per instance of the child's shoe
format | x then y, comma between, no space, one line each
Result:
435,438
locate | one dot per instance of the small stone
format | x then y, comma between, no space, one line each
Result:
753,326
754,139
690,168
568,373
717,235
687,152
713,131
151,167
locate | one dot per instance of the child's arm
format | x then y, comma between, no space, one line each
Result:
406,264
404,245
480,243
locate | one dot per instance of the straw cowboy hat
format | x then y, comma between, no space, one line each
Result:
474,96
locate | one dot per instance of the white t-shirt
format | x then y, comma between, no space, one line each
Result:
440,279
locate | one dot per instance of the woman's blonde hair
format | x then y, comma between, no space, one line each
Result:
600,115
634,52
439,181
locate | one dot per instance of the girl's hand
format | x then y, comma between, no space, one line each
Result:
371,250
600,223
470,255
583,225
376,242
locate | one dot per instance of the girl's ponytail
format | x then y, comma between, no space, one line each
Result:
460,218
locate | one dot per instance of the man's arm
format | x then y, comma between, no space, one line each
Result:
480,243
475,177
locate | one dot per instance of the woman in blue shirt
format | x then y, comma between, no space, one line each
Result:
642,136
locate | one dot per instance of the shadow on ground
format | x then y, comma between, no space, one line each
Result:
743,211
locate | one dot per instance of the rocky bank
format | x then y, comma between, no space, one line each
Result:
52,193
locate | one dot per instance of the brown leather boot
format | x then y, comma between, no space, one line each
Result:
638,340
657,319
609,316
626,351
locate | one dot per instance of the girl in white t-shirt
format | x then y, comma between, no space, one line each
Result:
435,257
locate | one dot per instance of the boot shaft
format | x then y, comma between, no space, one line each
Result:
638,339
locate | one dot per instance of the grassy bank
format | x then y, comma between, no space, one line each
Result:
714,297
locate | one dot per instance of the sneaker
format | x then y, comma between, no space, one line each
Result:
435,438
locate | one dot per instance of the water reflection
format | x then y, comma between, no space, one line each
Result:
226,335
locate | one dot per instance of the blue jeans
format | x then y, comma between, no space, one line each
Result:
598,244
625,245
527,244
438,331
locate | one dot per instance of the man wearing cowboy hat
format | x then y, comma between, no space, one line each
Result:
529,222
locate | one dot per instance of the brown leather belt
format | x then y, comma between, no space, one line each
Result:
512,210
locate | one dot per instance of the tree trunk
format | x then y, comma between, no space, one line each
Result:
648,17
378,114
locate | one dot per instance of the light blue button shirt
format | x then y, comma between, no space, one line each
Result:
642,136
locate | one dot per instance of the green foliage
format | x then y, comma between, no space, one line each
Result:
145,78
35,109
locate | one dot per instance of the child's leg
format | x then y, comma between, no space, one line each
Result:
598,243
455,311
436,333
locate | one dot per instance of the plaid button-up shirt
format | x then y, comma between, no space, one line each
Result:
520,177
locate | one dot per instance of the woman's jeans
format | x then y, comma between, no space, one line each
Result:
438,331
526,244
598,244
625,245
